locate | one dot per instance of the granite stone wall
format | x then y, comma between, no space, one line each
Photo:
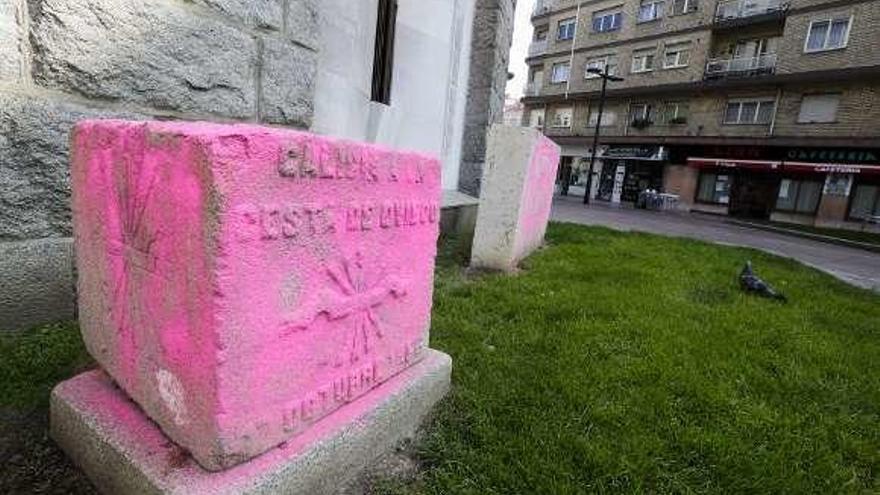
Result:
66,60
490,54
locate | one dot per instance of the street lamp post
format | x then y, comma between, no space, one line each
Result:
605,78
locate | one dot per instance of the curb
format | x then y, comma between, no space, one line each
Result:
807,235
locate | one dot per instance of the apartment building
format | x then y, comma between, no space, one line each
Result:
766,109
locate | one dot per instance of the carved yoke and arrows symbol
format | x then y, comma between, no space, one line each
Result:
356,299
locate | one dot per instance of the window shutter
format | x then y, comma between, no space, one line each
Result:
819,108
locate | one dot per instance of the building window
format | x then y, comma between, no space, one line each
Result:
819,109
675,112
643,61
565,29
677,55
607,21
650,10
799,196
640,115
562,117
540,34
609,117
559,73
714,188
749,112
865,202
827,34
383,52
680,7
536,118
606,63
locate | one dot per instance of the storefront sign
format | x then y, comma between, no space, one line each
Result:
826,155
725,163
833,168
785,166
658,153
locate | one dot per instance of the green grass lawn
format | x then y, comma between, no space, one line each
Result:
631,363
623,363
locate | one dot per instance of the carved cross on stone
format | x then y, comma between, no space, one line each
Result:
358,301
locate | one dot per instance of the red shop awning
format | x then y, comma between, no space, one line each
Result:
734,163
836,168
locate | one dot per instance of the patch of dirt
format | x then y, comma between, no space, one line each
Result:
31,462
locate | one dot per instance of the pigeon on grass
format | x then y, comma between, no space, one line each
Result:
750,282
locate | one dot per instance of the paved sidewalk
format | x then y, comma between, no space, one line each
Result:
855,266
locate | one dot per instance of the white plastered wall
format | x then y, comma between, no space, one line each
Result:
429,89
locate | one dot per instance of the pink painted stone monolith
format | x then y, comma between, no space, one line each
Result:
516,195
239,283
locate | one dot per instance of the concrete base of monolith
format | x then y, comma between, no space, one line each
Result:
122,451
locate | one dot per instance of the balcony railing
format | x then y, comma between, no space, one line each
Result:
537,48
744,66
733,10
533,89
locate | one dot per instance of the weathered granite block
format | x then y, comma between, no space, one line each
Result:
287,83
516,196
240,283
36,283
149,53
265,14
34,171
10,39
303,22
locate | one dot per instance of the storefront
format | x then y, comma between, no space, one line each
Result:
629,170
829,194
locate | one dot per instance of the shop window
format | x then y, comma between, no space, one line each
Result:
827,34
559,73
799,196
865,202
818,109
714,188
838,184
566,28
604,22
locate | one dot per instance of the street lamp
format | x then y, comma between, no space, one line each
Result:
605,78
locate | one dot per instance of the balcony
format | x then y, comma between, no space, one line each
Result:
721,68
736,13
538,47
533,89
